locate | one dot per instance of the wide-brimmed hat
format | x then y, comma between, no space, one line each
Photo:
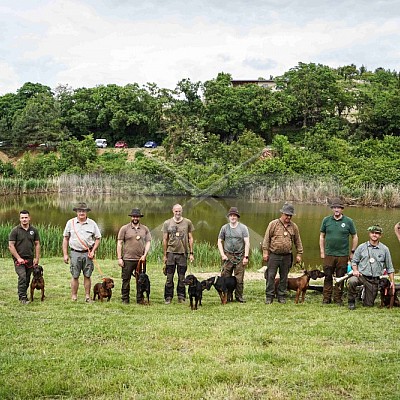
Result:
287,209
336,202
233,210
135,213
375,228
81,206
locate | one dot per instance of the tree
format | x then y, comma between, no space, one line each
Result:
38,122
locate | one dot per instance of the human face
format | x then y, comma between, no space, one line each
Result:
374,237
81,214
177,210
135,219
337,211
286,218
233,219
24,219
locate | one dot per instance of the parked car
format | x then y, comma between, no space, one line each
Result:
150,145
5,144
102,143
121,144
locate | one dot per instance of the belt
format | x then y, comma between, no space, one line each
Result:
79,251
281,254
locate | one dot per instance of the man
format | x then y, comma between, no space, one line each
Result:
334,248
24,246
178,247
133,245
397,230
234,246
280,237
369,261
83,237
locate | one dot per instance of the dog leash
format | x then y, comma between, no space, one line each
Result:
87,248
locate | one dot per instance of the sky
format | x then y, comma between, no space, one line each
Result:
98,42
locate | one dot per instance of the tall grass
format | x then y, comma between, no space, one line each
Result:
206,255
58,349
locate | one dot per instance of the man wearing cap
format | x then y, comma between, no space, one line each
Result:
177,247
334,248
82,235
234,247
368,264
133,245
24,246
280,237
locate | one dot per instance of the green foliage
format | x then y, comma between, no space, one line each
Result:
78,156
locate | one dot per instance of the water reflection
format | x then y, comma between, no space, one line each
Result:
207,214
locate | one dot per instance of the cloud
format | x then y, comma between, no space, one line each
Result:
90,42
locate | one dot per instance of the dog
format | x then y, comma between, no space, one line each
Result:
142,287
300,284
37,281
195,291
103,290
224,285
388,299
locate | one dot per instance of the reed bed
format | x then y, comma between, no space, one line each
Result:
311,190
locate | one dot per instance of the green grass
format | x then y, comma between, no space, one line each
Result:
63,350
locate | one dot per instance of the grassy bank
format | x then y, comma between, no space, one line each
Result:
64,350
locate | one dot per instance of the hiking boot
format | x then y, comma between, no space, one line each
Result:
268,300
24,301
326,302
240,300
282,300
352,305
181,300
167,301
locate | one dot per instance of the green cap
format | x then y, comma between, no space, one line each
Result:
375,228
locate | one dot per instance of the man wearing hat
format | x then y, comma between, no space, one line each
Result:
280,237
369,262
334,248
177,247
234,247
82,235
133,245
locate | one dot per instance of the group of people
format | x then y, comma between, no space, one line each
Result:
81,238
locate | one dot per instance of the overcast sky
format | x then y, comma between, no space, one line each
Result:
90,42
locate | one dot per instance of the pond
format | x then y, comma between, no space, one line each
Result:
207,214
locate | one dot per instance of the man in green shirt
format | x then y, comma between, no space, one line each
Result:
334,247
24,246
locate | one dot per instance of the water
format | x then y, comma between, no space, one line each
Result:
207,215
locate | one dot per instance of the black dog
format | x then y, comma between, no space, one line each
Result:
195,291
37,281
224,285
103,290
388,299
143,286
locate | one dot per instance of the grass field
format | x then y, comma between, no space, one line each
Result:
58,349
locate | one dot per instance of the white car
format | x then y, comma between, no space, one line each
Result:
102,143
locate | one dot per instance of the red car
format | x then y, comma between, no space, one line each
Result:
121,144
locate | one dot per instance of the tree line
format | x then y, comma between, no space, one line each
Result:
321,121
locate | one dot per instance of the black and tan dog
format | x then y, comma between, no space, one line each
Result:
195,291
142,287
103,290
300,284
37,281
224,285
388,299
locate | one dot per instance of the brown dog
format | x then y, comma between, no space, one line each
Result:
103,290
37,281
300,284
